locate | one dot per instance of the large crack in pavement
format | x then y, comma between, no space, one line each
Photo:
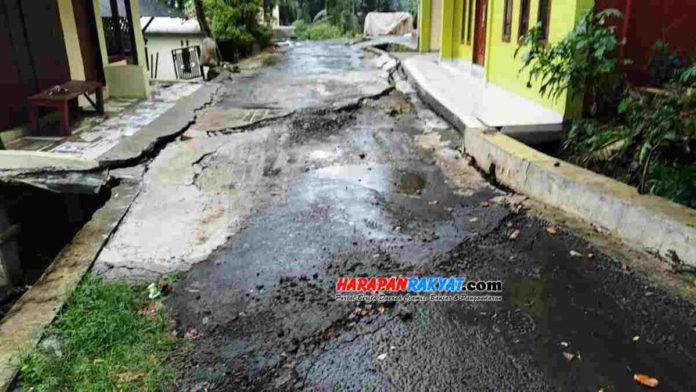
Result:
378,189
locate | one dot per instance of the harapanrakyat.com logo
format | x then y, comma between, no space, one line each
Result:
417,289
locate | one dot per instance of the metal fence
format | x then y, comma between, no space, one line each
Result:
187,63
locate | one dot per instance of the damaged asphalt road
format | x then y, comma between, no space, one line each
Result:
265,218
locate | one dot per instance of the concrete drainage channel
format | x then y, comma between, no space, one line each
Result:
56,238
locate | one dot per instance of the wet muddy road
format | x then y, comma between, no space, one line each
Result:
379,189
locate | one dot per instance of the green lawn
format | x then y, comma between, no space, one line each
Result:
110,337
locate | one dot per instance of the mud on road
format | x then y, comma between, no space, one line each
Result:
361,192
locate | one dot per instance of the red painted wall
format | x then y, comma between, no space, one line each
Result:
673,21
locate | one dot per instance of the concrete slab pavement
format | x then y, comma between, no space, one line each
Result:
469,102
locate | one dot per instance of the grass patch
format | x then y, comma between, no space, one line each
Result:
104,340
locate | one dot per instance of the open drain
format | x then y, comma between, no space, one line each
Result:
35,225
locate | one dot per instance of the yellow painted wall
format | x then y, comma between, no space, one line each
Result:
460,48
502,68
72,41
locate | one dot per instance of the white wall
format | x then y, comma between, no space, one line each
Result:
164,44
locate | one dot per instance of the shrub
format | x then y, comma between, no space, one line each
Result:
316,31
237,21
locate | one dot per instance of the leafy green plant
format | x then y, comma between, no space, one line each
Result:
102,342
651,145
585,61
688,76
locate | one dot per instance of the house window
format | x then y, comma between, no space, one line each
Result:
524,19
118,33
543,18
470,22
507,21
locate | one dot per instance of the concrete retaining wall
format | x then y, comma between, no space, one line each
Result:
648,222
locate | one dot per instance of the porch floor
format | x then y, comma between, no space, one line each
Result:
94,135
473,103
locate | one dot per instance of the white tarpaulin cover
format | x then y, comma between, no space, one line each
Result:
388,23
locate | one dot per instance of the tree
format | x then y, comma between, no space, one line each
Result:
200,15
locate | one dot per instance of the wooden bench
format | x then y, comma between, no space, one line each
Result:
61,98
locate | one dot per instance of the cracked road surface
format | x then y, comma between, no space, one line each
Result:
265,218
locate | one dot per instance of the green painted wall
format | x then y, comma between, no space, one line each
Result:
447,35
501,68
424,26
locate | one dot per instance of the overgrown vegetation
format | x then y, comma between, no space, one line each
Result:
237,21
642,136
316,31
110,337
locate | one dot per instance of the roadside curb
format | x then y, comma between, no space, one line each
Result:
647,222
22,328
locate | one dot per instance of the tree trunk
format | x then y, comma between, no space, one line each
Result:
200,15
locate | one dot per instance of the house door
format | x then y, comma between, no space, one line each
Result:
32,55
89,41
480,31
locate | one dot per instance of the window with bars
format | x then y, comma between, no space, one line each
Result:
507,21
524,19
543,16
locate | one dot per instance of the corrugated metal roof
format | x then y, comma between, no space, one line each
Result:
146,8
165,25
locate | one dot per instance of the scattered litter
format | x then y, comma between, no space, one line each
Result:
382,357
564,344
205,320
392,348
553,230
473,220
381,309
514,235
193,334
646,380
590,255
432,202
636,338
575,253
153,292
569,356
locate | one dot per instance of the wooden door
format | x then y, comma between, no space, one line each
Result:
89,41
480,31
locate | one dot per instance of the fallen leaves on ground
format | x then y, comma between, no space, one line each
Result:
553,230
646,380
150,311
514,235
